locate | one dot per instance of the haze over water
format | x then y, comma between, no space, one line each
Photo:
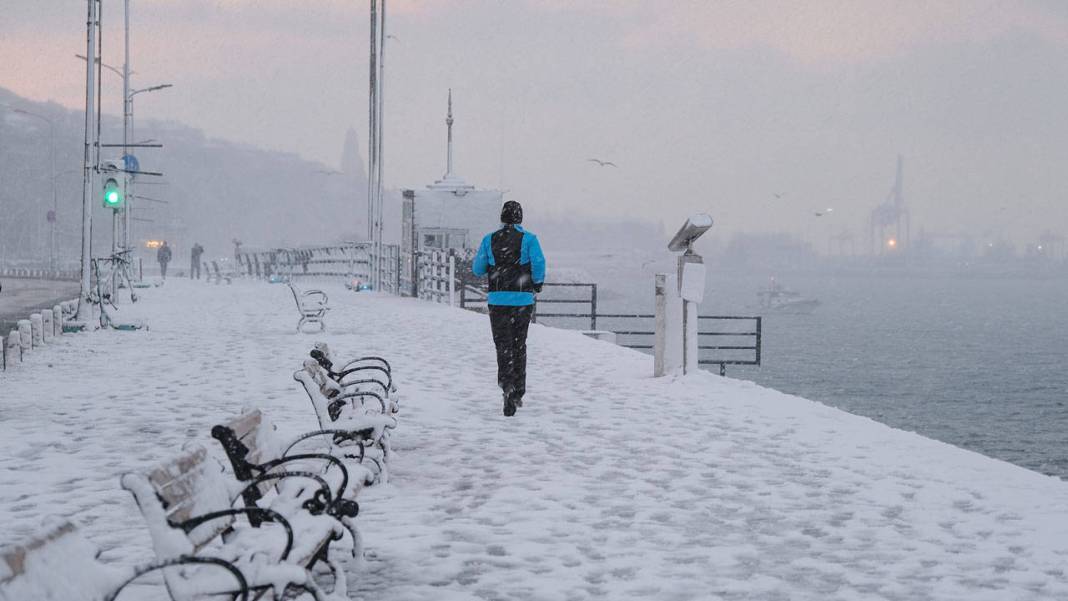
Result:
977,362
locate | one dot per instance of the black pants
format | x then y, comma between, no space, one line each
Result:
194,266
163,269
510,336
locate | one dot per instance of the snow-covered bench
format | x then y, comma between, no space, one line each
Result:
371,373
61,565
349,411
212,272
261,460
187,504
312,306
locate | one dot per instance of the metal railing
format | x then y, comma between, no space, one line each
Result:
740,346
722,339
755,334
436,280
346,260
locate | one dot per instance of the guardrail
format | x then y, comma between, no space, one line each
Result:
39,274
347,261
741,335
722,339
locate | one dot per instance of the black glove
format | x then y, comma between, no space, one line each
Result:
537,288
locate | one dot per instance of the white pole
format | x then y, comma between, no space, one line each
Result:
452,280
127,183
372,143
89,161
55,215
380,88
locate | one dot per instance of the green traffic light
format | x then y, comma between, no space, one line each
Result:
112,194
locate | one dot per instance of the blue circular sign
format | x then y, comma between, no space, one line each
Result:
130,163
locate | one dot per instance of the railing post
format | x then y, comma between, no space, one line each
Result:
593,307
452,280
758,341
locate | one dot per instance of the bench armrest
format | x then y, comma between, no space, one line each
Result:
352,395
368,358
385,389
242,593
320,502
323,298
346,434
325,457
263,513
338,376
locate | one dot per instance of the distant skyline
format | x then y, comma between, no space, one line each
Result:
761,113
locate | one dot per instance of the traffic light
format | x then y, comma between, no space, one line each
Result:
113,198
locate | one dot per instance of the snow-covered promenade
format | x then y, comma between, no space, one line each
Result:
608,484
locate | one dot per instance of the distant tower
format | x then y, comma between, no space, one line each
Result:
448,125
351,161
450,182
891,213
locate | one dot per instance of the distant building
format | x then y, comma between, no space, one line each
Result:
449,213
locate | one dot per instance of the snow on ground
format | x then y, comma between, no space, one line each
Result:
608,484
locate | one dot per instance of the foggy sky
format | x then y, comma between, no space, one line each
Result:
713,106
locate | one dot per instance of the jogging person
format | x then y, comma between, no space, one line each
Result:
513,260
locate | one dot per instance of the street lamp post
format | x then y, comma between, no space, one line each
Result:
52,178
127,133
91,159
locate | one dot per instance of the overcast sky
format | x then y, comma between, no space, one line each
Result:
714,106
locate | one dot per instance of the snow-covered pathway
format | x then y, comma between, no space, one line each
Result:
608,484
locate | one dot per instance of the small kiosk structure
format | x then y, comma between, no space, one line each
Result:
448,215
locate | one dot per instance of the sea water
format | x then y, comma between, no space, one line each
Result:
977,362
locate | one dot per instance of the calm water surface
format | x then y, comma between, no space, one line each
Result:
976,362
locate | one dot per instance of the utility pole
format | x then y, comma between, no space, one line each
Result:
91,156
381,139
127,182
374,141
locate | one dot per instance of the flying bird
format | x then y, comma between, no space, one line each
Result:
779,195
602,163
822,213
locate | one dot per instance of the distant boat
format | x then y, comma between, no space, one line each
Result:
777,298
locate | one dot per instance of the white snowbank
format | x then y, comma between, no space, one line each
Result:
607,484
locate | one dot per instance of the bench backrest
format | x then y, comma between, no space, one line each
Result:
186,486
312,378
250,437
59,564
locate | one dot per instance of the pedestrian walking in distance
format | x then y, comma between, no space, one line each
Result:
163,255
511,257
194,260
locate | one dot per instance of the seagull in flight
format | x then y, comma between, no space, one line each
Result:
779,195
822,213
602,163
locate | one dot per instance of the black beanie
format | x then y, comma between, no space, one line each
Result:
512,213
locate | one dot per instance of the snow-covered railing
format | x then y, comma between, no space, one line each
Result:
437,276
350,261
38,274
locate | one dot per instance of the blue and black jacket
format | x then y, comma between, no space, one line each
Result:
512,259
